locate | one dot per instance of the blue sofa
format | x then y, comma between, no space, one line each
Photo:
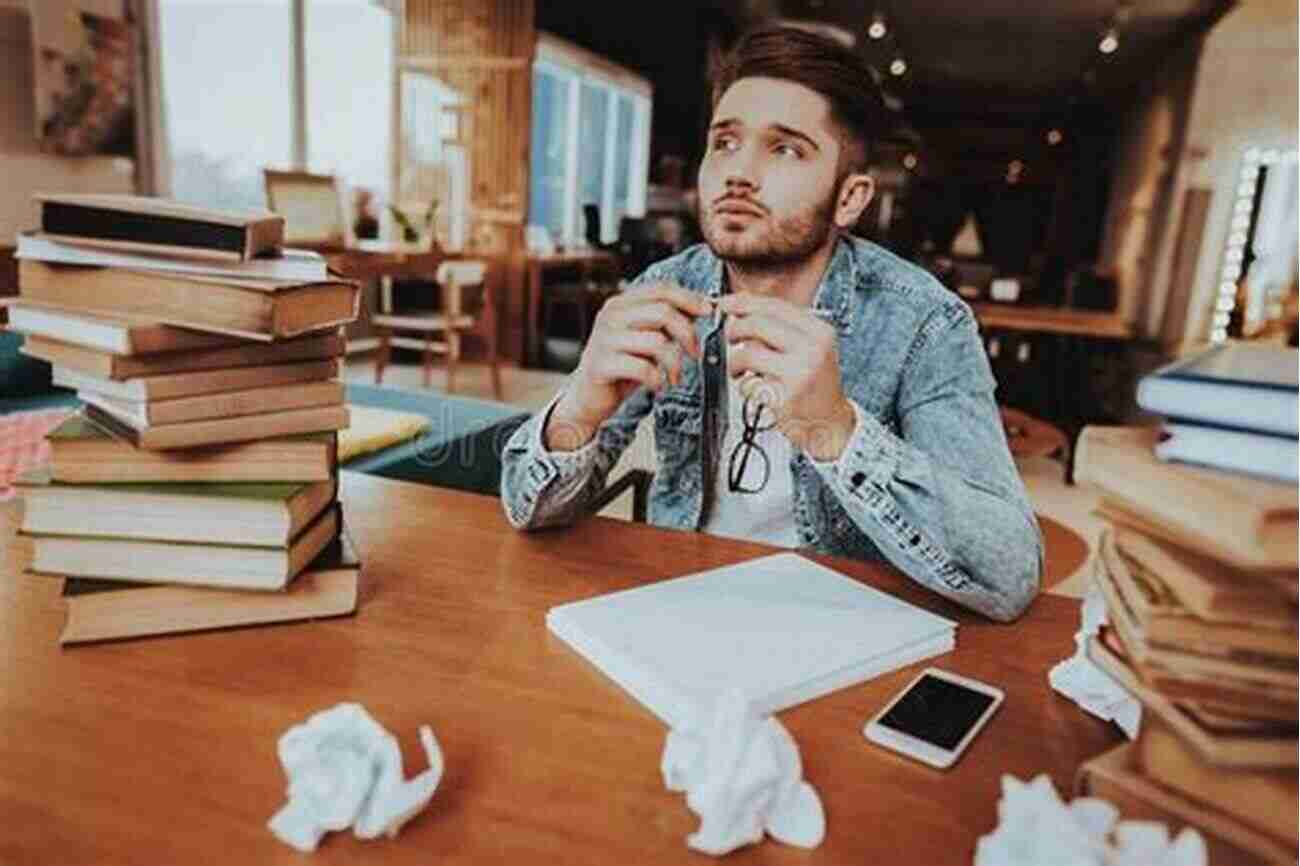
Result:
460,449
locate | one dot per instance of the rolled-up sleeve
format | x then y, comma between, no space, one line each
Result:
943,501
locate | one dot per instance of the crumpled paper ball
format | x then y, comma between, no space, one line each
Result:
1088,685
1036,828
345,770
743,777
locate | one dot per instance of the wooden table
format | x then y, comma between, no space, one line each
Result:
1052,320
164,750
536,265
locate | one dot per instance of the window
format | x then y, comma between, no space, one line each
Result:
590,142
221,137
228,90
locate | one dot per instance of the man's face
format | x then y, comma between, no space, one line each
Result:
768,180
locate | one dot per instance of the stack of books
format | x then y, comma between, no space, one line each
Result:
197,487
1235,406
1198,569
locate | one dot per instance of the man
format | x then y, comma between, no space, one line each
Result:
809,388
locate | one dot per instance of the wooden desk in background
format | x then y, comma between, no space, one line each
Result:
536,265
1052,320
164,750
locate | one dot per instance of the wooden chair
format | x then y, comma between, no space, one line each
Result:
315,215
462,312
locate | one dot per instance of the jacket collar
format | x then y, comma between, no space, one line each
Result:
834,296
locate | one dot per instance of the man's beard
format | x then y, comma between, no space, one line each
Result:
782,241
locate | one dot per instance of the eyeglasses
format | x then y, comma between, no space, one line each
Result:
757,418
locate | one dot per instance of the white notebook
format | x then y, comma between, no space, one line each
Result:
782,628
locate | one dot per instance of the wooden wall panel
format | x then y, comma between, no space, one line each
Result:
484,49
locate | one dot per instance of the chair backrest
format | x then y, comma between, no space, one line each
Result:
459,274
312,206
462,272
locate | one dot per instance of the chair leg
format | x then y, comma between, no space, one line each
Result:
453,355
382,355
428,361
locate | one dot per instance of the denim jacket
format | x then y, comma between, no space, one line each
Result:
926,481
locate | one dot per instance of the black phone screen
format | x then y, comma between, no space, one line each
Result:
937,711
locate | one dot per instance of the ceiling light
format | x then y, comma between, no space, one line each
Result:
1109,43
898,67
1054,137
877,28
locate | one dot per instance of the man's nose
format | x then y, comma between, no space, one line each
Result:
741,171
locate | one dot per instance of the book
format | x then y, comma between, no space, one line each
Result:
254,309
99,610
199,382
1249,523
121,335
214,431
226,404
782,628
1262,454
1243,385
1262,744
1250,669
1225,695
295,265
105,365
1160,620
1112,776
221,565
81,452
1210,590
160,226
1265,798
256,515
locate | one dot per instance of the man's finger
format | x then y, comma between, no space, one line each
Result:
619,367
653,346
771,330
663,317
755,358
690,303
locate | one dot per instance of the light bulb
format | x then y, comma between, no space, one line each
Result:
898,67
877,28
1109,43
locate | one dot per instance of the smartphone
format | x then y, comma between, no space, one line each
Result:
935,718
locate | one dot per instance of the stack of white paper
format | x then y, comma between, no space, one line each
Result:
782,628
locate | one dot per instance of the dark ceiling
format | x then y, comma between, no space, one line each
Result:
1002,58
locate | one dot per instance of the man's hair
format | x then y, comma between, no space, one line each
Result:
822,65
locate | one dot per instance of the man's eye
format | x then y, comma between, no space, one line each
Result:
788,150
724,142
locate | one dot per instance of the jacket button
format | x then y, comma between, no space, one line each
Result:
711,358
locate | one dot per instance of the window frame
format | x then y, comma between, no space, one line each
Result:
576,67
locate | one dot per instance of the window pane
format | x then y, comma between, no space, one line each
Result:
349,90
548,150
622,159
591,149
434,166
225,80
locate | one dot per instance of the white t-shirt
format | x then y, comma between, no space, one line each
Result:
768,515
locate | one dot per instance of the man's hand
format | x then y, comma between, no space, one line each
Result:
793,354
636,341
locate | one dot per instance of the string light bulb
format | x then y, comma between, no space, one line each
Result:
877,29
1109,43
909,161
898,67
1054,137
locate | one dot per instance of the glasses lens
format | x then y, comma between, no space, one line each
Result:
757,415
741,481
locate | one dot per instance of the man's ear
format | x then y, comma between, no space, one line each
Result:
855,194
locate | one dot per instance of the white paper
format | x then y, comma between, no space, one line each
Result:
1036,828
781,628
743,777
345,770
1088,685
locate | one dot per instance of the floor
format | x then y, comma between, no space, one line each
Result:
533,389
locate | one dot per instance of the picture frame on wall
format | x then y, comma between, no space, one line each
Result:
84,77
